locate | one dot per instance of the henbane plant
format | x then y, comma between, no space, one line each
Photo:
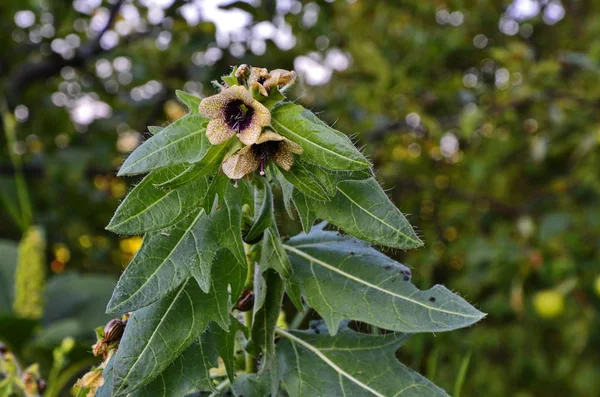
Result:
204,293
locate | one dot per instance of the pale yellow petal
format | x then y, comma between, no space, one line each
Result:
249,136
218,131
212,106
292,147
240,164
284,159
269,135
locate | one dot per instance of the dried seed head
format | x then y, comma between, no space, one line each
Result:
114,330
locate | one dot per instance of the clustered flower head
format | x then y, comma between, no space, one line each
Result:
235,112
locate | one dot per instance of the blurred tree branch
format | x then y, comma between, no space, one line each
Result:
32,72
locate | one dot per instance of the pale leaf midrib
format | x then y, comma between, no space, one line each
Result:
124,379
161,264
368,284
328,361
319,146
160,148
416,241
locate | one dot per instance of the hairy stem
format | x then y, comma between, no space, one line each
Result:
249,360
25,217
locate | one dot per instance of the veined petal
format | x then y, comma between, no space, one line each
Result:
284,159
218,131
241,163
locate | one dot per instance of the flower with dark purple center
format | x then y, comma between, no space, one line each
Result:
269,147
234,112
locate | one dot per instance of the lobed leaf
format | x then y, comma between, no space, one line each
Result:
190,370
268,288
343,278
273,255
156,335
350,364
148,208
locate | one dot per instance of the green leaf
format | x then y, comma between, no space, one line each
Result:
268,288
190,370
220,229
305,181
303,206
273,255
158,268
154,129
361,208
286,188
350,364
209,165
148,208
343,278
322,144
183,141
252,385
192,102
263,210
156,335
225,343
8,264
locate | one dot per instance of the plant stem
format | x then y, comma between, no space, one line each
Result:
220,387
249,359
26,216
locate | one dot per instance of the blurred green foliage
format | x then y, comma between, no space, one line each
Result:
480,117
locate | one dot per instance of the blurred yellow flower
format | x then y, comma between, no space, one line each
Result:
130,245
549,303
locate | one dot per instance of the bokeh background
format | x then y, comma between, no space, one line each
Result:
481,117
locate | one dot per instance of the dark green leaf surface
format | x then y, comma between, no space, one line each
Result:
273,255
304,180
225,343
268,288
303,206
158,267
190,370
349,364
252,385
286,189
362,209
343,278
263,211
183,141
148,208
209,165
156,335
322,144
220,229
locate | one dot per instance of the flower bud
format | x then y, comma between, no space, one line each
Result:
246,301
114,330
